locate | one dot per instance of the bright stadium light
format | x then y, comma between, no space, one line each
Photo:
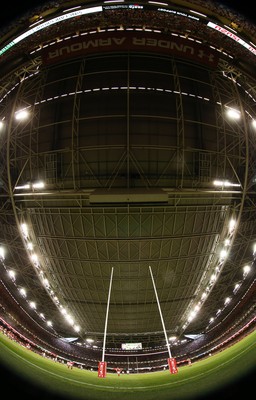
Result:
32,305
38,185
246,270
30,246
254,249
2,253
24,230
69,319
233,113
34,258
21,115
227,300
12,274
22,187
46,282
77,328
232,224
23,292
223,254
236,288
225,183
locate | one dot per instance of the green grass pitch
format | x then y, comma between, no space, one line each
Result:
191,382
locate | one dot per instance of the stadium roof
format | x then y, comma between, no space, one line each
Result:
148,195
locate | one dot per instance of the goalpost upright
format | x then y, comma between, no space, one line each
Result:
171,361
102,367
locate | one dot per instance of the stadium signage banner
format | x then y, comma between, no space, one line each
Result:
232,36
130,41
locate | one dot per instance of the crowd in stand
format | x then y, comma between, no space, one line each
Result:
138,18
231,15
43,342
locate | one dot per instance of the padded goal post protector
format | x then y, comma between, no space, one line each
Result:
172,365
102,369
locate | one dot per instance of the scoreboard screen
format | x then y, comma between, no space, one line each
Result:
131,346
